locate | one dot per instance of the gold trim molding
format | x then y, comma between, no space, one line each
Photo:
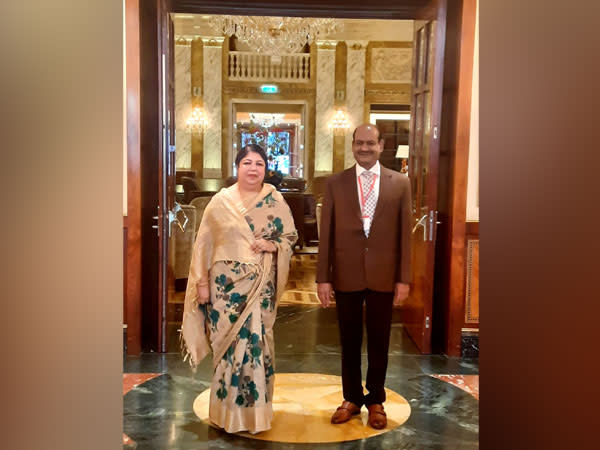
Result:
213,41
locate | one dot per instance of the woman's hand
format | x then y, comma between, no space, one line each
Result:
262,245
203,293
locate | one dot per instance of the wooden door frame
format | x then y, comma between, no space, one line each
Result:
449,285
418,308
450,274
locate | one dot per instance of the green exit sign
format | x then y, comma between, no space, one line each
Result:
269,89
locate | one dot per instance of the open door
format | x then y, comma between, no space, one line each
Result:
169,215
426,105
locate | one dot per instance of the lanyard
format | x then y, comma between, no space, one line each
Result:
364,199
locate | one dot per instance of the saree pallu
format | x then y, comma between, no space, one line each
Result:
237,324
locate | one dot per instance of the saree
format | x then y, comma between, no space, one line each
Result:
237,323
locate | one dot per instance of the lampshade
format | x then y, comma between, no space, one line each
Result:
402,151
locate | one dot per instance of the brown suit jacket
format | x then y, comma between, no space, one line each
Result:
347,258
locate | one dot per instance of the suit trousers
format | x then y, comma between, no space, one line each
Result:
349,307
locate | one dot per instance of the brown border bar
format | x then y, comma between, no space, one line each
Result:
133,268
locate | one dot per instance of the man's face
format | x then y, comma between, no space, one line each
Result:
366,146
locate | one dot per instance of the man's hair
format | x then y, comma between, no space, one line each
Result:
371,125
243,152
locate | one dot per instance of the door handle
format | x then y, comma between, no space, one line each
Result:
176,210
421,223
433,223
174,219
156,226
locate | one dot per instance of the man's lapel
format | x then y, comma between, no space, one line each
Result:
351,191
385,184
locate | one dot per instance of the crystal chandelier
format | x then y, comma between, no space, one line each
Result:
266,120
275,35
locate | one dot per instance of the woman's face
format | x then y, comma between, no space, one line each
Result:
251,171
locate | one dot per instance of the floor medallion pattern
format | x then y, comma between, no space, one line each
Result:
302,407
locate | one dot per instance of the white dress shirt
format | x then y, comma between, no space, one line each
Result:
376,169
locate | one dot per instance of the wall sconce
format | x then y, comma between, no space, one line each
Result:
196,121
340,122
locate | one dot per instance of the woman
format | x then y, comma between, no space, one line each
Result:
238,271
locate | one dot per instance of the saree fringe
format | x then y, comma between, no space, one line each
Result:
186,353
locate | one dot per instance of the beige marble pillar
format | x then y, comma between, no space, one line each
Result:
183,104
197,101
324,110
212,106
355,93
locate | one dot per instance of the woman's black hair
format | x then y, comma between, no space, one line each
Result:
243,152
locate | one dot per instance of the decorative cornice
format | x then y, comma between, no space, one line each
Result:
382,9
357,45
256,90
326,45
182,39
386,92
213,41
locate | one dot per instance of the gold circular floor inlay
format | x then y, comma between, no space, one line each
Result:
302,407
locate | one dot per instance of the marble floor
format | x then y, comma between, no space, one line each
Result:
160,391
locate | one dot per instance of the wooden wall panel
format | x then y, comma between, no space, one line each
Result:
472,276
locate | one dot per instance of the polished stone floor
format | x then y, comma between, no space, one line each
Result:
160,391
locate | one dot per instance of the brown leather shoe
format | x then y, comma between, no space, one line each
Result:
377,416
345,412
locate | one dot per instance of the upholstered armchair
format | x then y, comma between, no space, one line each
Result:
199,203
183,245
310,219
295,201
191,189
183,248
292,184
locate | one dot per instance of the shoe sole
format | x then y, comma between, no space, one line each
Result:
351,414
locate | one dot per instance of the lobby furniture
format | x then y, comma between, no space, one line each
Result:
292,184
193,188
181,252
310,219
295,201
200,204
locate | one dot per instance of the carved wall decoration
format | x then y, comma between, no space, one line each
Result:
472,289
391,65
283,91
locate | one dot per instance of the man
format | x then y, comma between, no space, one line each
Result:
364,256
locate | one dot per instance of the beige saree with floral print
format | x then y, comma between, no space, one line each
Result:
237,323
